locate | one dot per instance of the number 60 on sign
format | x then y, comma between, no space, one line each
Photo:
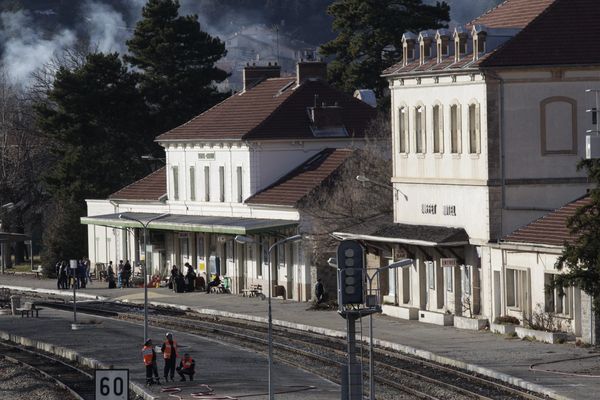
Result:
112,384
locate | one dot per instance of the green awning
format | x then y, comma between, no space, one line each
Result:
190,223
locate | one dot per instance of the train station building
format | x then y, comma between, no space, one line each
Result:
240,168
489,122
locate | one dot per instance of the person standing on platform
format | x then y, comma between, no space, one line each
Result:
126,274
169,350
186,367
319,291
149,356
191,278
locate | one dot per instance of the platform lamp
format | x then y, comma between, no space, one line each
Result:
145,227
404,263
365,179
248,240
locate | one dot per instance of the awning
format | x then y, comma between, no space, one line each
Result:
416,235
191,223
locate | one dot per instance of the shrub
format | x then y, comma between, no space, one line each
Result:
543,321
507,319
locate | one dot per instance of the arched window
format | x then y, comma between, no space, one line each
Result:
402,130
437,124
419,129
474,129
455,128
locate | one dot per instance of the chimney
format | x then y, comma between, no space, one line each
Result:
310,70
254,74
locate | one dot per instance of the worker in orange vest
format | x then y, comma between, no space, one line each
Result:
149,356
169,350
186,367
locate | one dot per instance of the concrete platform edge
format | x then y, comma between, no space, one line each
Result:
61,293
72,356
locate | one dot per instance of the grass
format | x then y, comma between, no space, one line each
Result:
26,266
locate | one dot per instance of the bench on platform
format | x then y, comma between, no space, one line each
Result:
253,291
29,308
4,295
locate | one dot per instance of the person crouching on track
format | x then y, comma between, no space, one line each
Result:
186,367
150,362
169,350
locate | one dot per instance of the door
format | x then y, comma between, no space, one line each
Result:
497,296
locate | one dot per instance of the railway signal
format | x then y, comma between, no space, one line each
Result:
351,263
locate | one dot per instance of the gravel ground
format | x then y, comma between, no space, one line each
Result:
19,383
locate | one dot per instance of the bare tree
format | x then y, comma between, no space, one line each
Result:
342,203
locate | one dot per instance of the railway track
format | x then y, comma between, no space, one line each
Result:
397,375
78,382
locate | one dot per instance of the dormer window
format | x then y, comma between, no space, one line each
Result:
326,121
424,47
479,37
408,47
442,42
460,44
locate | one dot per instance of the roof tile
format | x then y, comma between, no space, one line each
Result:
151,187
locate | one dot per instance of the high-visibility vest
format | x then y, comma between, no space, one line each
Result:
187,363
147,354
167,352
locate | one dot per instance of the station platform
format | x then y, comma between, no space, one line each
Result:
561,371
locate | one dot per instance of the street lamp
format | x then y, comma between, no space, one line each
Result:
364,179
247,240
406,262
3,247
145,226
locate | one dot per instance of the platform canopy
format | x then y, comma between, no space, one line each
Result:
13,237
190,223
384,231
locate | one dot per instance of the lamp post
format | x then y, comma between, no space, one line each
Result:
246,240
398,264
145,227
364,179
7,207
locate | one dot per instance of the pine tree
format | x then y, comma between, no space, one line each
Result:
176,60
94,120
369,38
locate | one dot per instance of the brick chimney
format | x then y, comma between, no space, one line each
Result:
310,70
254,74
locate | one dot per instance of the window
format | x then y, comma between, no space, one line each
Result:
515,288
281,255
466,279
419,137
175,170
474,134
240,185
206,183
221,184
430,274
192,184
438,130
558,300
449,272
402,130
454,129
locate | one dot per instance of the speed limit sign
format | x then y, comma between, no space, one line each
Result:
112,384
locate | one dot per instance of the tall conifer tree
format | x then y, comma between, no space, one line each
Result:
369,38
176,60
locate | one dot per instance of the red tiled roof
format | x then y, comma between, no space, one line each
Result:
512,14
151,187
551,229
290,189
273,109
566,33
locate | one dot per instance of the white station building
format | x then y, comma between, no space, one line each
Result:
489,123
239,168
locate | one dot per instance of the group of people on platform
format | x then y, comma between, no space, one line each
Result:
67,276
183,281
123,276
168,349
